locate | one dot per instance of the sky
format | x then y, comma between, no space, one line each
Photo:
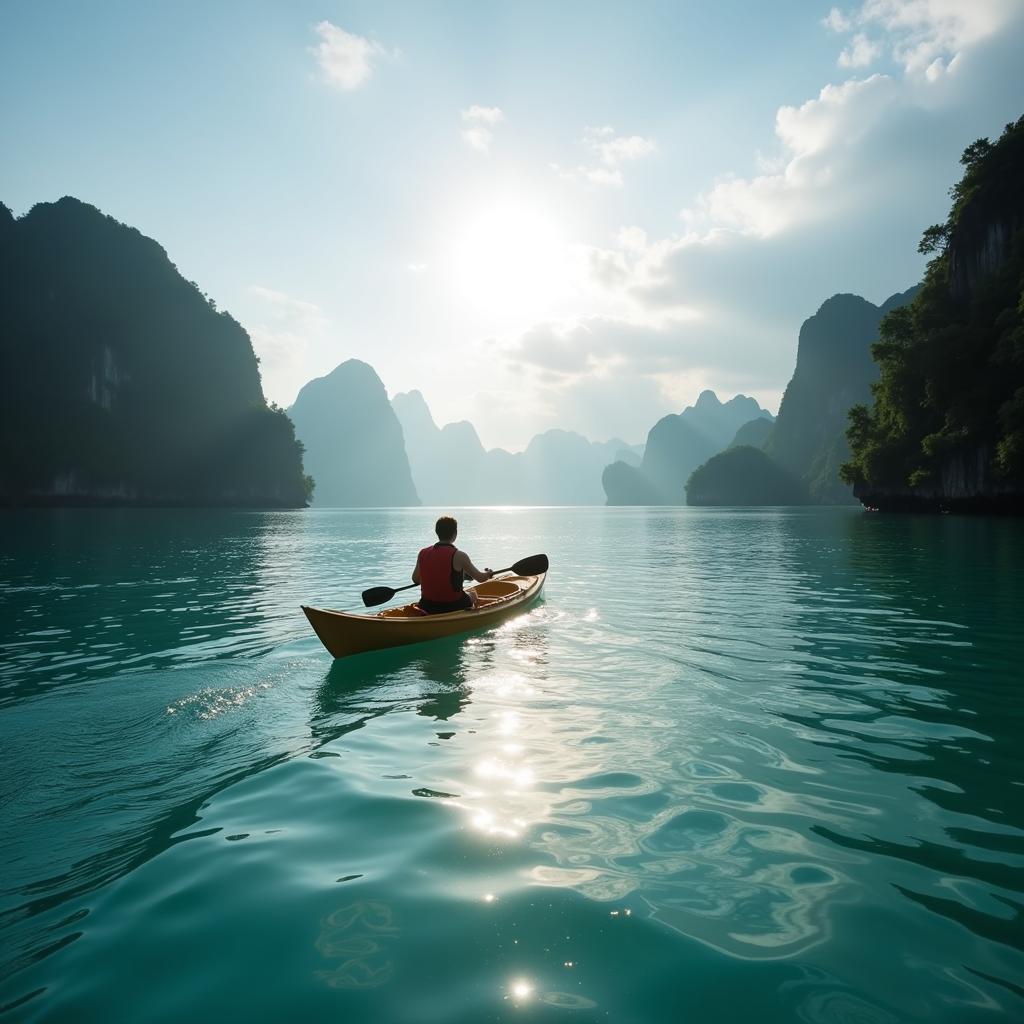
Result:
572,214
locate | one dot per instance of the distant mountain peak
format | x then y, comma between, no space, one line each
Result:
841,303
900,299
451,467
415,395
465,431
709,402
412,402
354,367
354,441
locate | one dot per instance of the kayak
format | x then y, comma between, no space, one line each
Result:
345,633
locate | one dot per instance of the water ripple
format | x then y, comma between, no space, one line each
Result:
769,765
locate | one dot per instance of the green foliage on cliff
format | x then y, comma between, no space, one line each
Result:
744,475
952,362
119,379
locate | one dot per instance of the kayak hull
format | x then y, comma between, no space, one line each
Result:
346,633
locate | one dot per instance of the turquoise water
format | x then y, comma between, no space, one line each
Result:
739,765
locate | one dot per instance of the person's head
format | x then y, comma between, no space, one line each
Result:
446,528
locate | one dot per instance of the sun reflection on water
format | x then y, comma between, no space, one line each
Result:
521,990
663,832
662,826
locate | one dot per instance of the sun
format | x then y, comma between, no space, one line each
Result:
510,258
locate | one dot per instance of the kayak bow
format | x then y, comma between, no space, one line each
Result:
345,633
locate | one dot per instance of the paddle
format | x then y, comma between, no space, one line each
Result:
532,566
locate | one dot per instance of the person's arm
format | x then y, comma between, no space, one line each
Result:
460,560
416,571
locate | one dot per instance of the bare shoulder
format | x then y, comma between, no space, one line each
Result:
460,559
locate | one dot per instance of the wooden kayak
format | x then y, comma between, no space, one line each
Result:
345,633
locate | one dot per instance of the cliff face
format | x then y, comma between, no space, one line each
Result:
965,482
798,457
987,213
675,448
120,381
354,444
447,464
676,445
977,252
834,371
946,428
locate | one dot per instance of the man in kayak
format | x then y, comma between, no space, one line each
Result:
442,568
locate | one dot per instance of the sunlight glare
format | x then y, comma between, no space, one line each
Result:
521,990
510,257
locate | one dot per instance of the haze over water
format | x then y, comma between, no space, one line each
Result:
738,765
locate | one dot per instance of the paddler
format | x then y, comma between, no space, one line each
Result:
442,568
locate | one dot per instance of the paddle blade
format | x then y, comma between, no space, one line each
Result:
532,566
377,595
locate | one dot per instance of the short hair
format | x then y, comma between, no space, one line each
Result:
446,528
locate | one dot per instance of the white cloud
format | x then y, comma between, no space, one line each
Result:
859,171
837,21
607,343
838,150
919,32
610,376
478,137
820,141
611,151
615,149
619,404
610,177
860,53
478,126
632,239
416,268
601,176
483,115
345,59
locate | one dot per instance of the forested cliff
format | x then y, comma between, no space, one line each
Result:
946,428
802,448
795,460
120,382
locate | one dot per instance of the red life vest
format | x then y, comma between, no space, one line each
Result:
438,580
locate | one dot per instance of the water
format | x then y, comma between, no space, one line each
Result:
739,765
